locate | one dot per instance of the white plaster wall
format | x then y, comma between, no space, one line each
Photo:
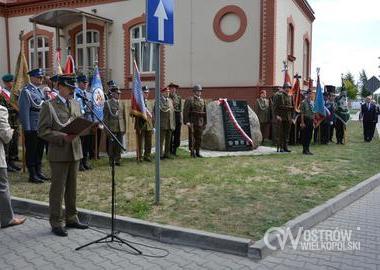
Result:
200,57
285,9
3,48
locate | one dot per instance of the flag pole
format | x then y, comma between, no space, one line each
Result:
21,131
137,131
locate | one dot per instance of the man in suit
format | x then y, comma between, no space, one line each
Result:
144,130
195,118
114,117
7,217
167,124
30,103
11,149
65,153
369,116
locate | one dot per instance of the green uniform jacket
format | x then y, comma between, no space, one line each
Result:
114,115
48,129
307,109
262,110
194,112
177,103
166,114
282,106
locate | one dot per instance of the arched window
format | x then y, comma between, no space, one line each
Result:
42,52
290,44
92,47
144,53
306,59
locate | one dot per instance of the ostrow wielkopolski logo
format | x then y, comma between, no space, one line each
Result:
312,239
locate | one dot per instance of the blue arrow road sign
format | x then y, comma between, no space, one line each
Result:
160,21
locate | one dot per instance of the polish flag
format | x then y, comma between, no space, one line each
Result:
6,94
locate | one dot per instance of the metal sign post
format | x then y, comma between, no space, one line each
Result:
159,30
157,123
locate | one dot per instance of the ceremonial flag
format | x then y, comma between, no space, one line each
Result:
319,105
5,94
70,65
21,78
58,57
137,100
98,98
295,92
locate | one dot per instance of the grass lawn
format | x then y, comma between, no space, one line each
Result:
241,196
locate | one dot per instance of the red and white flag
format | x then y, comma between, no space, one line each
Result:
5,94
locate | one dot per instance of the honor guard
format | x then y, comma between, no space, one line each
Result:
115,118
262,110
306,122
30,102
64,155
283,108
195,118
177,103
85,105
11,149
144,130
167,124
342,115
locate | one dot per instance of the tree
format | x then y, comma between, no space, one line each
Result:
352,89
362,84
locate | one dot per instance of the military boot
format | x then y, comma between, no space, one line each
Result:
33,176
40,174
86,164
13,165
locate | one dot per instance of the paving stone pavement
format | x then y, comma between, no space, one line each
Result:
32,246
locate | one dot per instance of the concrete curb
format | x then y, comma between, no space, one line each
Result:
259,249
163,233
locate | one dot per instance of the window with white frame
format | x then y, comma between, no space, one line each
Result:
144,53
92,47
42,52
306,60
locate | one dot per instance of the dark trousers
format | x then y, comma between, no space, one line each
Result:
306,134
13,146
331,132
283,130
264,128
144,139
195,139
114,150
34,149
176,138
325,132
368,130
87,145
165,138
339,127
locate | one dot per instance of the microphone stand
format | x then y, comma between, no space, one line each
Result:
112,237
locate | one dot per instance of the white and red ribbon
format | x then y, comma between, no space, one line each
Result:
6,94
223,101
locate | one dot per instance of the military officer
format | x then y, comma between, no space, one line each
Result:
11,149
115,118
64,155
195,118
30,103
144,130
306,122
262,110
167,124
177,103
282,108
85,105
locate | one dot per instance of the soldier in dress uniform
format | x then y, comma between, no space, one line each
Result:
262,110
282,108
342,115
64,155
144,130
306,122
167,124
30,103
11,149
195,117
87,140
177,103
115,118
